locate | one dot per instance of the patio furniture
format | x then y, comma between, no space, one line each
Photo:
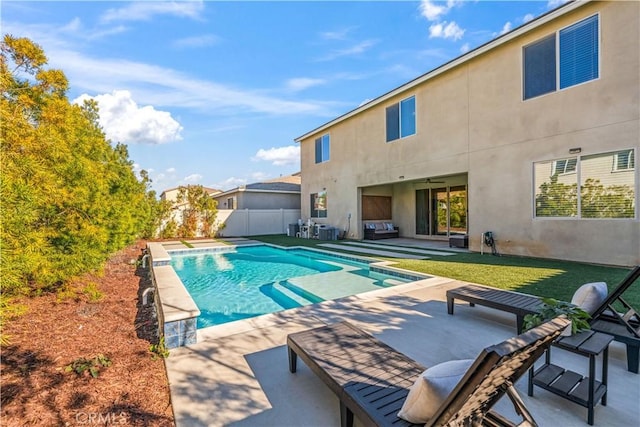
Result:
585,391
459,241
374,230
499,299
372,380
625,327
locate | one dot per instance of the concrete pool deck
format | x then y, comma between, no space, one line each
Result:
237,374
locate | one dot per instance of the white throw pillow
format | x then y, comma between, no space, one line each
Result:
431,389
590,296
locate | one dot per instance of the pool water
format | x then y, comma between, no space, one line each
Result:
251,281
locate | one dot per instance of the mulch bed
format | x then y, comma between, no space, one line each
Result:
133,390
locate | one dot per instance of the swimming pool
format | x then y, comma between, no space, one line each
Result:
251,281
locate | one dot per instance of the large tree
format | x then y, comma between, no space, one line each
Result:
69,197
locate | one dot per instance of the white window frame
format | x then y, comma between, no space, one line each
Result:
556,34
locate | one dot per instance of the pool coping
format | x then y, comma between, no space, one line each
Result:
178,312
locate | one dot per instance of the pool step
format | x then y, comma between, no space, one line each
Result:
299,292
283,296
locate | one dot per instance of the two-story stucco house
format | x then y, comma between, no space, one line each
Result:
533,136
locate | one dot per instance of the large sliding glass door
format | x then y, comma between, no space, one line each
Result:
441,211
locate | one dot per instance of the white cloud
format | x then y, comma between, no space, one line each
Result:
145,10
259,176
465,48
124,121
196,41
434,10
281,156
230,183
528,17
301,83
196,177
336,35
506,28
350,51
446,31
160,86
73,26
171,170
552,4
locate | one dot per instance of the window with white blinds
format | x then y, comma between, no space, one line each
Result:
578,53
596,186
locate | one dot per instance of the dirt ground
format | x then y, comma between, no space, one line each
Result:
37,389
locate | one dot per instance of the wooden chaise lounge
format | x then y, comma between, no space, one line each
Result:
625,326
372,380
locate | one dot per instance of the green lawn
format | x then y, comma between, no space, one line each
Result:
548,278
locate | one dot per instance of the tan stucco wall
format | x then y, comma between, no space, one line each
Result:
472,124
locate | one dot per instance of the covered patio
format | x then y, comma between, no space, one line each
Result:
237,374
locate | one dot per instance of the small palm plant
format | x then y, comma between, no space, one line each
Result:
552,308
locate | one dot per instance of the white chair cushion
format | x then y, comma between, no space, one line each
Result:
590,296
431,389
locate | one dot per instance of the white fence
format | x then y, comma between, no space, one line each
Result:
255,222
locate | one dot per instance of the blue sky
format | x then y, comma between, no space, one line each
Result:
214,93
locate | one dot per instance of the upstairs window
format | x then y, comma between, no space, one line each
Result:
540,68
579,53
401,119
570,57
322,148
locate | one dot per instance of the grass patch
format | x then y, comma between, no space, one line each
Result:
546,278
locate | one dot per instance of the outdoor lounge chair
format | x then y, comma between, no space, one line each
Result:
625,327
372,380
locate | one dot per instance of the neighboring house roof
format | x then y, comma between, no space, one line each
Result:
283,184
516,32
209,190
292,179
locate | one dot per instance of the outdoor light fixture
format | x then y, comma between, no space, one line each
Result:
575,150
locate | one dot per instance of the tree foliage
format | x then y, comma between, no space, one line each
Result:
199,212
557,199
596,200
69,197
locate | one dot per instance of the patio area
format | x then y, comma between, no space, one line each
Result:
237,374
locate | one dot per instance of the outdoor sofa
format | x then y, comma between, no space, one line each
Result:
374,230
